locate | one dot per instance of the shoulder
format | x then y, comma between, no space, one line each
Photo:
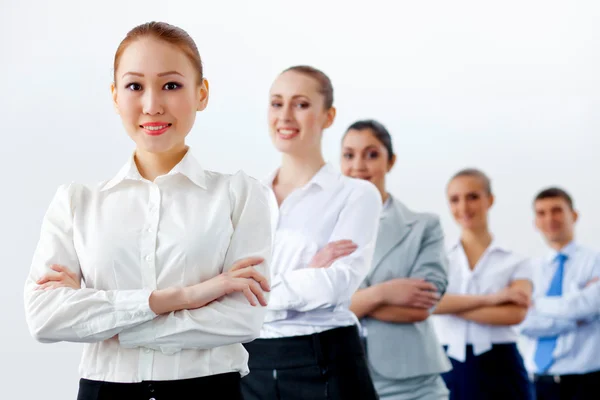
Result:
361,189
429,220
241,187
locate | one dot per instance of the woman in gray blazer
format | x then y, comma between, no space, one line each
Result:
408,276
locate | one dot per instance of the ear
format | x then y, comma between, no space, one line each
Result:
202,95
492,200
575,216
391,163
330,117
113,91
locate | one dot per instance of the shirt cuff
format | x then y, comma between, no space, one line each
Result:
130,307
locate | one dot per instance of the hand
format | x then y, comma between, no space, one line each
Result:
409,292
510,295
592,281
333,251
242,277
61,277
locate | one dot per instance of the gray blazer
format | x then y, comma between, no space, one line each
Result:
409,244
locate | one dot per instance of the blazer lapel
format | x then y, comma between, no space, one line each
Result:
393,230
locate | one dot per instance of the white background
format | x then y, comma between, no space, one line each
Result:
511,87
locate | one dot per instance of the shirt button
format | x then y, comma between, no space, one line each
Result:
148,258
150,230
147,350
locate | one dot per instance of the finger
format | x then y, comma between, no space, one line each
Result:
257,276
423,304
246,262
424,285
48,285
49,277
248,293
66,270
342,242
427,296
257,291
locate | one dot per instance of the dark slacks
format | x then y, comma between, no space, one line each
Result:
568,387
498,374
222,386
328,365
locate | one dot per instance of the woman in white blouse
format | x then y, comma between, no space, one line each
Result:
488,293
326,227
171,255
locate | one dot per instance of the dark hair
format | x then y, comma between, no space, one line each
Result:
166,32
475,173
378,130
325,86
555,192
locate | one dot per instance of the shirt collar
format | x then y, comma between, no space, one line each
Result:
495,245
324,178
569,250
188,167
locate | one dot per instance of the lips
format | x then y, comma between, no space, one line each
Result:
155,128
287,133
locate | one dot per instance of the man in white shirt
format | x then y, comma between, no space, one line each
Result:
562,328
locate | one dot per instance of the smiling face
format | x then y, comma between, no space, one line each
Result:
365,157
555,219
157,92
297,114
469,202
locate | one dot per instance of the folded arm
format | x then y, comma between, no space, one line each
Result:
313,288
431,265
66,314
502,314
230,319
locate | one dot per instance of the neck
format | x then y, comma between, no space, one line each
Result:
384,195
297,171
480,237
558,245
151,165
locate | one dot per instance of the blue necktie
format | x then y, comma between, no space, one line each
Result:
545,346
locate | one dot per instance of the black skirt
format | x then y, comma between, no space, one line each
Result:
222,386
497,374
328,365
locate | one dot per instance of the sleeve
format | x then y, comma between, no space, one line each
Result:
432,263
231,319
579,305
536,325
314,288
523,271
65,314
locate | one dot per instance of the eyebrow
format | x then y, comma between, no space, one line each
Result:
293,97
159,75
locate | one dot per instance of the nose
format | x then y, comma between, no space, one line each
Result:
286,113
152,103
358,164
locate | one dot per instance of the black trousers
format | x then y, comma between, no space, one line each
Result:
568,387
222,386
328,365
497,374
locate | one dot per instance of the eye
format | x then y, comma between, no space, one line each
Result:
348,156
134,86
372,155
171,86
303,105
276,104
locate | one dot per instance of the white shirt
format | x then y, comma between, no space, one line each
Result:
330,207
575,323
497,268
127,237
